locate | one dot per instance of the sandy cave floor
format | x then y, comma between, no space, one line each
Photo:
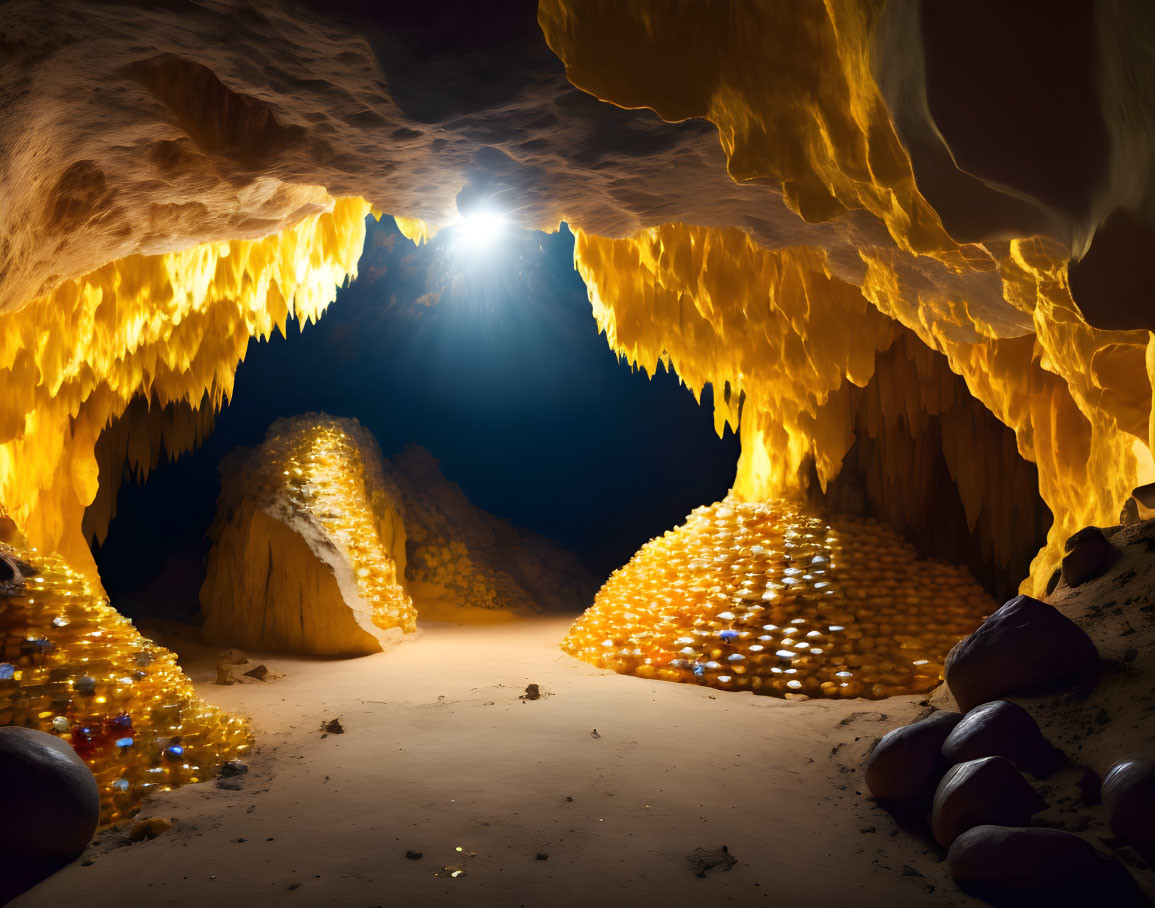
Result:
440,753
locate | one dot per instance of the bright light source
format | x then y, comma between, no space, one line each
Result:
479,230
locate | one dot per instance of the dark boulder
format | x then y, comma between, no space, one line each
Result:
1128,793
907,763
1038,867
988,791
1002,729
51,802
1089,555
1026,647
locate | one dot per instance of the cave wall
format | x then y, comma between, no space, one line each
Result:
933,463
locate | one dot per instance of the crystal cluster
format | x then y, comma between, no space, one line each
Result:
763,597
72,666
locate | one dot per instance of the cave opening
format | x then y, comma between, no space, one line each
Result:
479,368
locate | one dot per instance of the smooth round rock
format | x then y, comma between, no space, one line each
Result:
988,791
1128,793
1089,555
1026,647
1002,729
907,763
1044,867
51,802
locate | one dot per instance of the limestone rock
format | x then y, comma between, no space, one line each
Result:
1128,793
987,791
907,763
1002,729
1026,647
309,545
1089,555
51,802
1011,866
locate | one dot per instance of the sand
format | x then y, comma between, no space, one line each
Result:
440,754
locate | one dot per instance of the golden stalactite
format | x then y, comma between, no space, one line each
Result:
790,89
133,443
172,327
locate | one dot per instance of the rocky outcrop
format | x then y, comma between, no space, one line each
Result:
309,545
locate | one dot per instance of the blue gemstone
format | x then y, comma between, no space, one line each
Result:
120,784
728,635
174,750
124,742
699,670
7,671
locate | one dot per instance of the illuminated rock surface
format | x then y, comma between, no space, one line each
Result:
171,327
309,545
71,666
766,598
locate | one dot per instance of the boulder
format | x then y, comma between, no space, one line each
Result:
1011,867
1026,647
1089,555
51,802
907,763
1002,729
987,791
1128,793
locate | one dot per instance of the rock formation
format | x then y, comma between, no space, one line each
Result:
308,546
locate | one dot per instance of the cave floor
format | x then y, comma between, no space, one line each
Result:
441,757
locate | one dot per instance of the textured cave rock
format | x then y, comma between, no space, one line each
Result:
308,545
933,463
50,797
1089,555
906,765
1026,647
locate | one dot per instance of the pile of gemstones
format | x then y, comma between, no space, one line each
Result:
763,597
72,666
